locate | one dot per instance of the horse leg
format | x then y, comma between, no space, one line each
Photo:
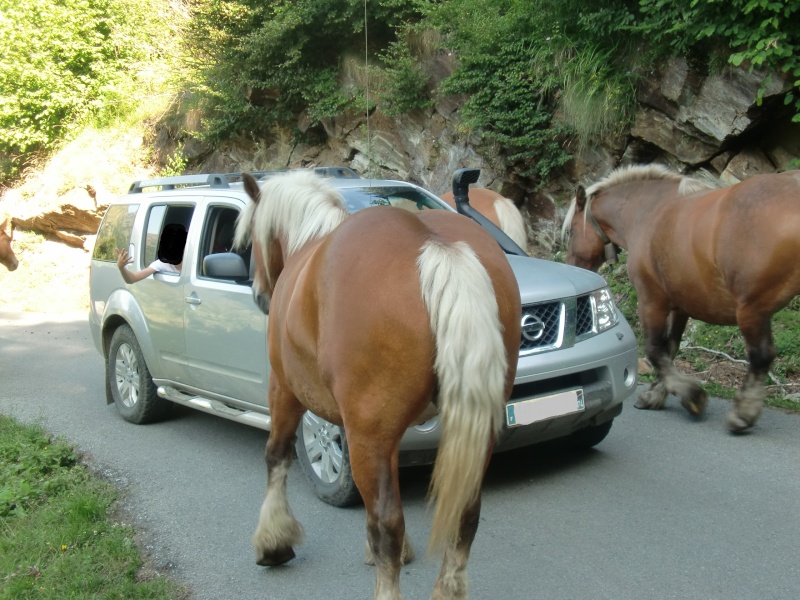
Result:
406,557
664,332
656,396
760,353
452,582
278,531
376,475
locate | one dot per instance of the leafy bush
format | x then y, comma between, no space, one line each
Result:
63,64
258,63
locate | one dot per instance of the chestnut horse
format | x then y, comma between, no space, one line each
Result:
374,317
725,256
7,256
499,210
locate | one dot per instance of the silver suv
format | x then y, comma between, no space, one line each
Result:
197,338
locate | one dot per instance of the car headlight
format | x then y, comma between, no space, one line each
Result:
605,310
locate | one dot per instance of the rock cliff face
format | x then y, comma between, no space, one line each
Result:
709,126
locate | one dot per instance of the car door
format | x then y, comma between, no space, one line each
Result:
226,334
160,297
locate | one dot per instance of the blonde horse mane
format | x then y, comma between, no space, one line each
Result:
687,185
299,206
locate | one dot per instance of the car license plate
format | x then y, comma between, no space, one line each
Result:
529,411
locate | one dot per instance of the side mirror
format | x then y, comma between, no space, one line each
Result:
225,265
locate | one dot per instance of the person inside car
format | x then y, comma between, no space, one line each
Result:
170,255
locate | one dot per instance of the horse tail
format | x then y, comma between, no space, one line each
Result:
511,221
471,367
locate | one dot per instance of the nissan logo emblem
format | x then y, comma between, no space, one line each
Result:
532,328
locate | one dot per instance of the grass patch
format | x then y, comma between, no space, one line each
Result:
58,535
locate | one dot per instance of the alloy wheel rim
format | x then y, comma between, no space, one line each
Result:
322,441
126,367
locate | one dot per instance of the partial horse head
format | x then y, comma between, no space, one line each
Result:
592,239
7,256
585,246
286,213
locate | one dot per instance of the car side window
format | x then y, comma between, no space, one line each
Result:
218,232
159,216
115,231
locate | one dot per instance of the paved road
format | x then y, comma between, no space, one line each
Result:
666,507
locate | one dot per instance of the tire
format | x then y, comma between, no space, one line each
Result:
128,378
325,459
590,436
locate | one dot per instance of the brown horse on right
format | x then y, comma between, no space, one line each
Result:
499,210
7,256
725,256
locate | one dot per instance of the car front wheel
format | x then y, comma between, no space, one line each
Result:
129,380
323,455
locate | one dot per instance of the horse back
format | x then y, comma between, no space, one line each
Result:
712,251
349,311
482,200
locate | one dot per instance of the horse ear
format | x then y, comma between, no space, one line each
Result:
251,186
580,197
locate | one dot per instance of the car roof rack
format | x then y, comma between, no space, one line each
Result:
335,172
222,180
215,180
338,172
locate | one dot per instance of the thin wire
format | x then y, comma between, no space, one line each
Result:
366,66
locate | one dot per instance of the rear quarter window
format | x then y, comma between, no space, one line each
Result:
115,231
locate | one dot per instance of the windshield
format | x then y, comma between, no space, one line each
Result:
409,198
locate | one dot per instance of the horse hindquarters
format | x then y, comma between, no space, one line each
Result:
472,395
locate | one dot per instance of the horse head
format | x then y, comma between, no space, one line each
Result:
587,247
287,212
7,256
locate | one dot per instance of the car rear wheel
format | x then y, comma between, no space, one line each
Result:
128,378
589,437
324,457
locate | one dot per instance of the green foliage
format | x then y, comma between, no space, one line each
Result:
597,102
63,64
260,63
753,33
521,63
507,107
32,468
176,164
403,81
57,538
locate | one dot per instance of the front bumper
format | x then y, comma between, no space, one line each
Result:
606,381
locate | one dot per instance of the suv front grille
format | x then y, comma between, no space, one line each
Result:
556,324
542,326
584,321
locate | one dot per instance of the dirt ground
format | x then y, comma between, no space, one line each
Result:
52,277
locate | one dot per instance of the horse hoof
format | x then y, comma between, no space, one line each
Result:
276,557
649,401
737,424
695,404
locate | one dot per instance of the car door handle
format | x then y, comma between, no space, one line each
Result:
192,300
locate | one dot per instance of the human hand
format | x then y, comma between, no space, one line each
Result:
122,258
